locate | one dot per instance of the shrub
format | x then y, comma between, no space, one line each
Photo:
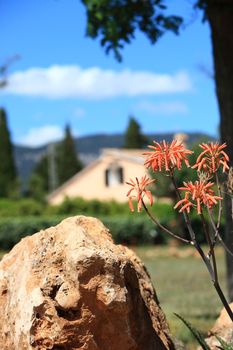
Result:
12,230
27,216
21,207
123,229
88,207
134,232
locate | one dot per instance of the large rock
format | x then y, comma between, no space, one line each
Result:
70,287
222,328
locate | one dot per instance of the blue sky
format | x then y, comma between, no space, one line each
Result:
63,76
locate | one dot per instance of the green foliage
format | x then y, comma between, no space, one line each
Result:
12,230
39,180
163,211
182,285
111,208
224,345
80,206
64,158
134,232
133,135
124,230
8,176
12,208
27,216
38,186
198,336
130,228
68,164
117,21
202,4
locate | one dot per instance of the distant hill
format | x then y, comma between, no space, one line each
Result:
88,147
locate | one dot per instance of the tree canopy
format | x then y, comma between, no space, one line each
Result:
116,21
68,162
133,135
8,175
57,165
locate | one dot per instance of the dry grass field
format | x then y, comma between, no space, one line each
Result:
183,286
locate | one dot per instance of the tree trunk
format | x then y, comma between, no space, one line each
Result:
220,16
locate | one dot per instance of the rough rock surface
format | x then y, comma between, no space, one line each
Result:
71,287
223,328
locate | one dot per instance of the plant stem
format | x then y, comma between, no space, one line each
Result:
220,203
155,221
215,282
223,300
211,247
212,270
218,235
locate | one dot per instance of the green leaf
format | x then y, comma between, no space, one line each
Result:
224,345
198,336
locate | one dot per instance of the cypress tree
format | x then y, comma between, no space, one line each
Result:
37,188
38,185
133,135
44,175
8,175
68,162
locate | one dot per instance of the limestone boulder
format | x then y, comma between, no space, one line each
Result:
71,287
222,328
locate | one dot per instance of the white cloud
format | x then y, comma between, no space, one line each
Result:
94,83
36,137
163,108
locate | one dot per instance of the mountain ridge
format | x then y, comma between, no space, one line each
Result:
89,148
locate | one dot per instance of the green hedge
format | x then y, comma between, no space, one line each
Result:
134,230
26,206
92,207
12,230
30,207
25,217
126,230
131,230
20,207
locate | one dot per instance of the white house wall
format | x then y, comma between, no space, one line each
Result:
91,183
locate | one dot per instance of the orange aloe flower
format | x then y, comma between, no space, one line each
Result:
197,194
139,189
165,155
212,158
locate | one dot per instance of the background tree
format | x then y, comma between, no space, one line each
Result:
36,188
116,23
57,165
133,135
68,162
8,175
220,17
38,185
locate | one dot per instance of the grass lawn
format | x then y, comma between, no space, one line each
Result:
183,286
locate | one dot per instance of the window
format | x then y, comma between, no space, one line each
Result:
113,175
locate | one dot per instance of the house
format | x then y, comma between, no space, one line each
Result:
104,178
